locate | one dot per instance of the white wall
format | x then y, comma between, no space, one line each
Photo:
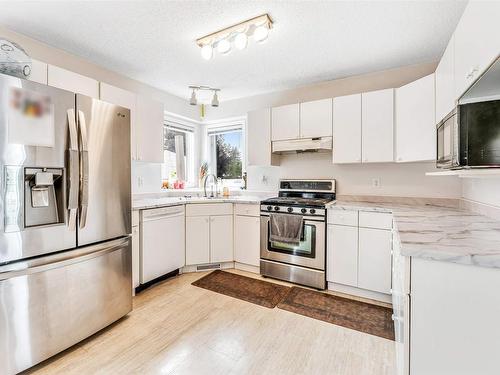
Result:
396,179
482,190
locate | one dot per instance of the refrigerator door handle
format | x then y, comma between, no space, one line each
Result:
37,265
73,173
84,168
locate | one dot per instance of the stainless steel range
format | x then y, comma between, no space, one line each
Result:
303,261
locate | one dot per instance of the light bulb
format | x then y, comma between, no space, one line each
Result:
215,100
240,41
207,51
193,100
223,46
261,33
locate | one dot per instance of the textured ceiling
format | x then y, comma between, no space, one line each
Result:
312,41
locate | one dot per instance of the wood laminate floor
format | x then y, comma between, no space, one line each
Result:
177,328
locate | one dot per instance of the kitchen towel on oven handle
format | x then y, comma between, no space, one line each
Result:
286,228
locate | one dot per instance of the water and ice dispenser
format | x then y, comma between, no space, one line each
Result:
43,196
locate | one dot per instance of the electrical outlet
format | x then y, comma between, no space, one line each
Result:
376,182
140,181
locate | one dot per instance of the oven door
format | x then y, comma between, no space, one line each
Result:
310,252
447,142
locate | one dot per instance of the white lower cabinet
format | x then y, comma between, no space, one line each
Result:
374,263
197,240
221,239
359,250
209,233
136,245
247,240
342,264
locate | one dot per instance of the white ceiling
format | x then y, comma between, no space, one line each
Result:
312,41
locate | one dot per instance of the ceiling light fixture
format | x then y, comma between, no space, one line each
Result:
241,41
194,101
261,33
207,51
238,34
223,46
215,99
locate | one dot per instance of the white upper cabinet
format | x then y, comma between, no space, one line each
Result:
316,119
347,129
476,42
445,82
377,118
38,72
127,99
415,121
258,135
285,122
149,130
71,81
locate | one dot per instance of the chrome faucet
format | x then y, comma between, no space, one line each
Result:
205,186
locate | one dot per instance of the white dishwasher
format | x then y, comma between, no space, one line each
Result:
163,238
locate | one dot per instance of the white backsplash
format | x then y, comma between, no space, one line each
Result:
263,178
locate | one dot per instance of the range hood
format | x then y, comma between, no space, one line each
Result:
321,144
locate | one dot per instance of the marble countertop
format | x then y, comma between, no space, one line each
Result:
437,232
146,203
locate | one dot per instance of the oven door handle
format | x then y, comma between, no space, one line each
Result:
309,219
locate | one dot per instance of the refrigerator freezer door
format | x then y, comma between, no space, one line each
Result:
53,302
33,135
105,191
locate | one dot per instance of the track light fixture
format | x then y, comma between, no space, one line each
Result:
194,101
238,34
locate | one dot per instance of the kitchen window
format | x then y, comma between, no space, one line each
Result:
226,146
178,153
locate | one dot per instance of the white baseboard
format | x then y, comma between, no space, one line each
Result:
363,293
247,267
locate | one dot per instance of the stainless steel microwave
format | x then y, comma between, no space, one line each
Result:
469,137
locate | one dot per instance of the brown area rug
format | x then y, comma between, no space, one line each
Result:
361,316
245,288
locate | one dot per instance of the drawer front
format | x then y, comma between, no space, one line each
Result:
209,209
343,217
377,220
247,209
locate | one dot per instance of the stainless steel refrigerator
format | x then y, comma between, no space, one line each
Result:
65,220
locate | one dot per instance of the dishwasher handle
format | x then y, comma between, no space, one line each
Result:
162,213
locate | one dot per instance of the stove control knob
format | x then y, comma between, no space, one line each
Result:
303,210
289,209
276,208
312,211
269,208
